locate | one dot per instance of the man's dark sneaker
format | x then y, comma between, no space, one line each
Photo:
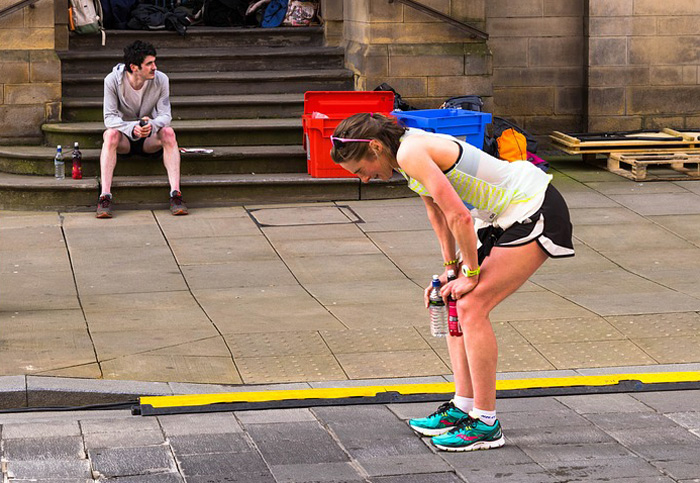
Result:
177,206
104,207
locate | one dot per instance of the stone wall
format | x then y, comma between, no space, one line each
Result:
538,69
30,77
423,58
644,61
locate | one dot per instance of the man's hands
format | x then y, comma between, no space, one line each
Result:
143,131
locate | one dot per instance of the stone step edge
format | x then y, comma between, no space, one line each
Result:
17,182
212,53
189,125
223,100
240,76
46,153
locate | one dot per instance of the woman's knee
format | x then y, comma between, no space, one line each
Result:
472,313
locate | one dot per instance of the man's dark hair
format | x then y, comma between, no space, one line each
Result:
136,53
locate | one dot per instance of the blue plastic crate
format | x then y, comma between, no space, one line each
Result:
469,126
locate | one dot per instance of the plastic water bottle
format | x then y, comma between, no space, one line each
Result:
59,164
438,311
77,162
452,318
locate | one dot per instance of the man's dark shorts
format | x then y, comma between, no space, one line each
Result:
136,149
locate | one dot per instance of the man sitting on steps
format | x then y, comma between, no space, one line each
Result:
135,91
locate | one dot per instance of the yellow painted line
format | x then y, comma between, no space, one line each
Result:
407,389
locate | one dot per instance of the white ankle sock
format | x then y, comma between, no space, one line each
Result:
106,194
486,417
466,404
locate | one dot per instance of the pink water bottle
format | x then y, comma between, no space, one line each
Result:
452,319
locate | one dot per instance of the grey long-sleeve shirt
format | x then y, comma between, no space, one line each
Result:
155,103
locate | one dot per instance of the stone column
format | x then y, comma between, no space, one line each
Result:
644,57
30,72
423,58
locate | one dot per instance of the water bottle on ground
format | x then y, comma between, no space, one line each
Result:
77,162
59,164
438,311
452,319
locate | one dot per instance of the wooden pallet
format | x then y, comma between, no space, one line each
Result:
667,139
678,166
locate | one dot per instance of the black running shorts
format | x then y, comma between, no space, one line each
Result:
550,227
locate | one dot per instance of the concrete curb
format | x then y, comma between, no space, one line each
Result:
45,391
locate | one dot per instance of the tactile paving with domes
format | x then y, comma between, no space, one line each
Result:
675,324
576,355
567,330
296,368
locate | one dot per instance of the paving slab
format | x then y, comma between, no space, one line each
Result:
197,226
318,472
407,466
191,424
305,343
247,273
36,261
659,301
299,215
130,282
115,462
44,448
618,469
685,226
199,369
31,238
671,349
414,363
325,247
374,340
349,268
193,444
660,203
279,443
158,258
605,216
573,355
568,330
604,403
379,292
610,238
56,469
294,368
522,306
224,249
109,237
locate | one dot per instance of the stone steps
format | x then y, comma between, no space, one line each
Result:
227,83
203,37
46,193
213,59
207,133
38,160
77,109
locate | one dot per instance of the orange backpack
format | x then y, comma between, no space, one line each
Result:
512,145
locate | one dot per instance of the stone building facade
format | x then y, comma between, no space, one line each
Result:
571,65
30,72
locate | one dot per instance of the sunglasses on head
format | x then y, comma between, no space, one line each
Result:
339,142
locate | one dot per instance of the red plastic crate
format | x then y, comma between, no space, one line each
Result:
337,105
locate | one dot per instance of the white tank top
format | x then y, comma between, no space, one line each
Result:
495,191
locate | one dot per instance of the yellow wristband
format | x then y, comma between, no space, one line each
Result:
451,262
470,273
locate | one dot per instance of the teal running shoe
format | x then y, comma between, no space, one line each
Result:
441,421
471,435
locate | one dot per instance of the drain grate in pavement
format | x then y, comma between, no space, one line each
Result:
304,215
